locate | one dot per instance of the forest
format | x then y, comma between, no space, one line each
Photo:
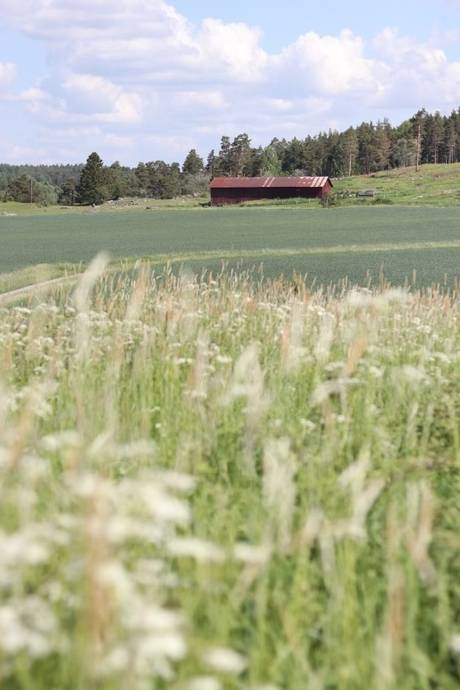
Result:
361,150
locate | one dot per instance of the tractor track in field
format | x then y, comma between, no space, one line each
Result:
12,296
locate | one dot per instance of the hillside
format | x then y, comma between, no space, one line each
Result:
432,185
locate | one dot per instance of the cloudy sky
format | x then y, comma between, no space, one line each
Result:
148,79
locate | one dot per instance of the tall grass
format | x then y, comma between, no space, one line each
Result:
214,484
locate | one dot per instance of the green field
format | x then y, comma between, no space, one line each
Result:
328,245
230,482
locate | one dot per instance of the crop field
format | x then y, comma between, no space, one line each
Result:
414,245
224,485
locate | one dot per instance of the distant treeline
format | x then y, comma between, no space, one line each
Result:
367,148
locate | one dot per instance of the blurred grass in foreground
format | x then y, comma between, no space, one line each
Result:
214,483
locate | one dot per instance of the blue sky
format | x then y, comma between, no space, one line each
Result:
148,79
283,21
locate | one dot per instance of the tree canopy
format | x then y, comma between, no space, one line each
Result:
364,149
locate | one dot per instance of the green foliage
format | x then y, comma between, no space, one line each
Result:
92,188
193,164
27,190
268,163
235,158
55,175
195,185
212,483
366,149
68,194
159,180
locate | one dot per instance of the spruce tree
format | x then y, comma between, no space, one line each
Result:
91,186
193,164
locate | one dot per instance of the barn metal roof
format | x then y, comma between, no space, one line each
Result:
265,182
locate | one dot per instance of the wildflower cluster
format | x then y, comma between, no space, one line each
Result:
210,484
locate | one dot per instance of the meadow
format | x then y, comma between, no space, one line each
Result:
230,450
225,484
329,245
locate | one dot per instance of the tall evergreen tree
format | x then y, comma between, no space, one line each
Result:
91,188
223,163
350,149
193,164
240,155
211,163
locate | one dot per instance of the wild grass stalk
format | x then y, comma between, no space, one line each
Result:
208,482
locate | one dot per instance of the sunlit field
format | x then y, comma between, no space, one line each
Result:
215,484
324,245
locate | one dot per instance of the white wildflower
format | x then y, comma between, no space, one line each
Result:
307,424
225,660
184,483
413,375
170,645
27,625
161,504
61,439
279,486
248,381
325,338
203,683
293,338
222,359
196,548
135,449
325,390
455,644
112,574
253,555
115,662
23,548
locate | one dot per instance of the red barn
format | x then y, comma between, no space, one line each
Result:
235,190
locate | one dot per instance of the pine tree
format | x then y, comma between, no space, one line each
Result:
211,163
381,144
450,140
240,155
223,163
418,122
350,149
91,187
193,164
438,135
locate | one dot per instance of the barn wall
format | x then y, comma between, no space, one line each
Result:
237,196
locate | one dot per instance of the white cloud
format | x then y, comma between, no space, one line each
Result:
233,49
7,72
213,99
101,99
138,70
419,73
331,65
